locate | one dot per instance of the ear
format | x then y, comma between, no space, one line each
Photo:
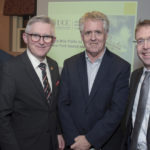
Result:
54,39
24,36
82,36
106,36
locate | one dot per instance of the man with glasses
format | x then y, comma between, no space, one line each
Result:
136,124
93,90
28,93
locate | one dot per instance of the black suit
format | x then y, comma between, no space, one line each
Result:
27,121
97,115
127,123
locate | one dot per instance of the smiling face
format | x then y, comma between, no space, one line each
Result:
94,38
39,49
143,50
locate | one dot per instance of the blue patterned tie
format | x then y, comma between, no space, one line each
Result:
47,89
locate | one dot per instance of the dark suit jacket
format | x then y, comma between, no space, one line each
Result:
127,123
27,121
97,115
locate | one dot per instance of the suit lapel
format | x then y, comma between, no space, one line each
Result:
83,79
133,90
53,76
32,74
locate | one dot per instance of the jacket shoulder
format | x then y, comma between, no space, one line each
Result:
119,59
116,60
75,58
51,61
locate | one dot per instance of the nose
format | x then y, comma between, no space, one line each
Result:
93,36
145,45
41,40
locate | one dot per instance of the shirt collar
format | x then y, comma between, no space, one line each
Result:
35,62
145,69
99,59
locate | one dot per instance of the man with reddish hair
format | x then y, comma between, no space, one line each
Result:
136,128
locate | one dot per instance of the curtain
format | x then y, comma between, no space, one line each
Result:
19,7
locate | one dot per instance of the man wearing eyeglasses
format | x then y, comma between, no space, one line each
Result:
137,119
28,93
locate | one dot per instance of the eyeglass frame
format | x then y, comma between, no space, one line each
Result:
142,41
44,36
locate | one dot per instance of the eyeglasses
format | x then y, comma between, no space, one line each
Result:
37,37
142,41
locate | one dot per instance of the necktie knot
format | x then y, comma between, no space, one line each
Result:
42,66
147,74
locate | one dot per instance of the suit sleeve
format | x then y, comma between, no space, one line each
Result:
7,91
106,126
64,108
59,130
127,120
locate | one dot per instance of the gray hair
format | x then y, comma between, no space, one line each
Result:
43,19
94,15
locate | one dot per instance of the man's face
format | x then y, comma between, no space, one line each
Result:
39,48
94,37
143,45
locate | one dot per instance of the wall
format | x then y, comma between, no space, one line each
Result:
4,29
143,7
143,13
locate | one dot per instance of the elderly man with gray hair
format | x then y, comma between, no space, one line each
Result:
28,93
93,90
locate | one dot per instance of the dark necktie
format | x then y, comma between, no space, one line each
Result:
46,85
140,111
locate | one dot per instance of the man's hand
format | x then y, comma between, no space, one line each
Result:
81,143
61,142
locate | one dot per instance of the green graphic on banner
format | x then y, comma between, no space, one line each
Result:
122,16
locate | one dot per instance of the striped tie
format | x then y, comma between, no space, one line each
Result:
47,89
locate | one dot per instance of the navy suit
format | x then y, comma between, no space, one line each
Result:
98,115
4,57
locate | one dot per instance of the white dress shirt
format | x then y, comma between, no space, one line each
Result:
92,69
142,142
35,62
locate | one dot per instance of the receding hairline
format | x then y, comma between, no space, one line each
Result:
95,16
40,19
140,24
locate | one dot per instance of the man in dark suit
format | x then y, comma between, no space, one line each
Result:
28,93
142,36
93,90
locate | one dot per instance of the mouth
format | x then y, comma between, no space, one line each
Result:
146,55
41,46
93,43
